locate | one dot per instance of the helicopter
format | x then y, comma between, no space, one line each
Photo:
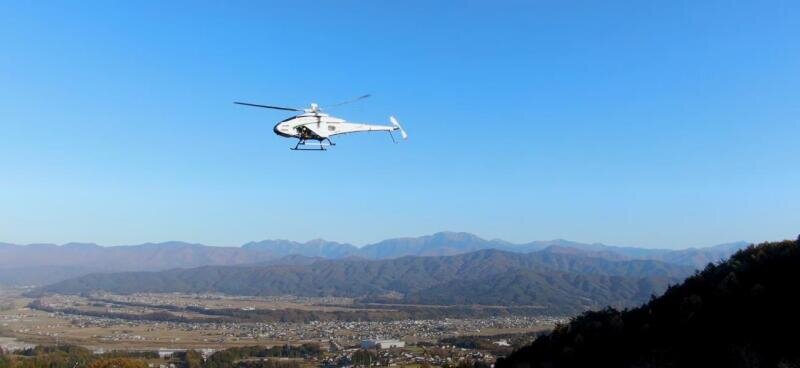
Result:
314,125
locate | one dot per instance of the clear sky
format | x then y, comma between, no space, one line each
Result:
650,123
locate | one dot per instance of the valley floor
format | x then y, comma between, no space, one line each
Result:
214,322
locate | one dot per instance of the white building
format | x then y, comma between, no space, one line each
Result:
382,344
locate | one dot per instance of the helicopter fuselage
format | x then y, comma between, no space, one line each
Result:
320,126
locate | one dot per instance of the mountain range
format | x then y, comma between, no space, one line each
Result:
38,264
552,280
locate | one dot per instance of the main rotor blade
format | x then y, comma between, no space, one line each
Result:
350,101
267,106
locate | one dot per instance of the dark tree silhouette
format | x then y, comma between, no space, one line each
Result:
739,313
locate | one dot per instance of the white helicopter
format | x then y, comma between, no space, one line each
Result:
314,125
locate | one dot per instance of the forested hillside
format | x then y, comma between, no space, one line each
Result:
571,282
739,313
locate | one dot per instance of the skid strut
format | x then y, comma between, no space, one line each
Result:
321,145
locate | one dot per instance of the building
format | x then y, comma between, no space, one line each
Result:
166,353
382,344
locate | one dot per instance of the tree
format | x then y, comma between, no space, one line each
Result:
118,363
363,358
5,361
194,359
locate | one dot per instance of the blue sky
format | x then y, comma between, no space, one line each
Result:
659,124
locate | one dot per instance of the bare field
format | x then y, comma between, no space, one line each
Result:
216,301
38,327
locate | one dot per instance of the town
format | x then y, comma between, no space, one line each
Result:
87,322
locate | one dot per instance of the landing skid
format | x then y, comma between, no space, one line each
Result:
321,145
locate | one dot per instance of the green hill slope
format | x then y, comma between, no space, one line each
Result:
570,283
524,287
744,312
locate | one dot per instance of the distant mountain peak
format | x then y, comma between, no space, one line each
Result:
81,245
319,248
321,242
170,244
448,233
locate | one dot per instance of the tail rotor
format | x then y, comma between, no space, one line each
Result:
397,125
